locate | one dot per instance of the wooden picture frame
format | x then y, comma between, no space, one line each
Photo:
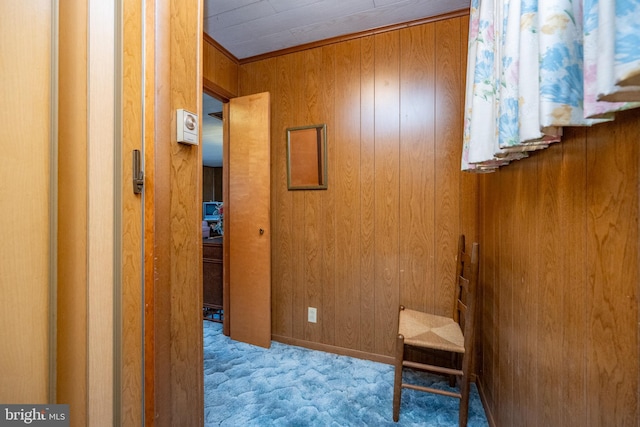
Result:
307,157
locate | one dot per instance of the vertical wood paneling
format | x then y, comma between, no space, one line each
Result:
367,195
149,209
265,77
313,208
161,275
487,284
340,249
549,317
328,269
417,167
530,271
284,106
572,204
387,181
448,134
505,301
347,188
565,272
132,131
219,68
520,299
296,64
612,242
185,218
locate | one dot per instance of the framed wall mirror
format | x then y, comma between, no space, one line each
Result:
307,157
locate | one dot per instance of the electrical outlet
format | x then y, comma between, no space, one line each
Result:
313,315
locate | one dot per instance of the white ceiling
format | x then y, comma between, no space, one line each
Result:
253,27
248,28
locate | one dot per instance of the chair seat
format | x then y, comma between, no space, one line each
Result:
431,331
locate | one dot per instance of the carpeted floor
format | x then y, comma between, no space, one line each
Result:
292,386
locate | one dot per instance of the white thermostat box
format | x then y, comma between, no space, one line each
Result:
187,127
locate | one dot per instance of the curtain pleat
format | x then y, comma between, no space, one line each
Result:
535,66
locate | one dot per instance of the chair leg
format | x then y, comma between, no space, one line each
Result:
397,381
464,401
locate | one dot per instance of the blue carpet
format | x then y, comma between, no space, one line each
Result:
293,386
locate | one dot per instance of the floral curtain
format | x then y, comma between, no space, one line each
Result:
535,66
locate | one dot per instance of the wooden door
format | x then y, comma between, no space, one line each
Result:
247,220
26,185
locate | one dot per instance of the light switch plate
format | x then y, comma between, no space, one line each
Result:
186,127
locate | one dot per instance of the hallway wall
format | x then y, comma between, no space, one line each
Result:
559,274
385,231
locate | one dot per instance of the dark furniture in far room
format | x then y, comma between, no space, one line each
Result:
212,279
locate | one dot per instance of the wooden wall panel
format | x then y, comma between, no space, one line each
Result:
283,108
219,67
504,292
448,126
417,182
392,103
559,233
549,320
158,280
176,240
346,186
387,181
149,336
368,232
132,380
185,218
313,207
612,272
297,218
572,205
328,280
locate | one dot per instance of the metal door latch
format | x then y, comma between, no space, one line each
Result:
138,174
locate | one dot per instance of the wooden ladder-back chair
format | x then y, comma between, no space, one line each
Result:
451,334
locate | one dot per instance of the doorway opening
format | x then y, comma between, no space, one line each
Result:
212,209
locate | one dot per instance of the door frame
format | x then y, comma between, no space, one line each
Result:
223,96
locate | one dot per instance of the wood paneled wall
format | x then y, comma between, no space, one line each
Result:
219,69
385,230
559,274
173,239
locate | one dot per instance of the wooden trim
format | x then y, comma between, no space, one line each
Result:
226,303
485,405
215,90
101,247
161,181
72,265
149,326
207,38
388,360
347,37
